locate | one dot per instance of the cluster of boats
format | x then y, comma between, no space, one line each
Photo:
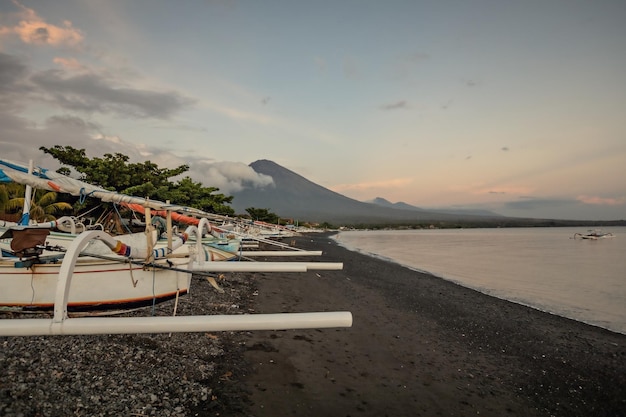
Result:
64,265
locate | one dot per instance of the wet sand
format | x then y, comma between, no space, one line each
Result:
422,346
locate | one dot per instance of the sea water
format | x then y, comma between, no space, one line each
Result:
544,268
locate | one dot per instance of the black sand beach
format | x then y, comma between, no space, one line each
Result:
419,346
422,346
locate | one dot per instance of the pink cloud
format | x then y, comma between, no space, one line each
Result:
32,29
600,201
70,64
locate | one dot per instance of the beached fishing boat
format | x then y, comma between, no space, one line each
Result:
594,234
77,276
131,269
134,268
110,273
217,247
212,235
223,233
62,324
122,276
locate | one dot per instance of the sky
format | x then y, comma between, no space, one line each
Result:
518,107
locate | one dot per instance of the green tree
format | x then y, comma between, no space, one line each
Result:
47,208
43,206
9,207
187,192
115,173
262,214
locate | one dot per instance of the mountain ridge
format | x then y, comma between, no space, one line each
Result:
293,196
461,211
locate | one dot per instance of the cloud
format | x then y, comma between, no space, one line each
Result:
228,176
93,92
236,114
79,90
70,64
470,83
584,207
20,139
72,122
87,91
26,139
395,106
32,29
601,201
481,189
530,203
13,83
12,70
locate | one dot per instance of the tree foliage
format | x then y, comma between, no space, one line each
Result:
9,207
8,193
43,206
46,207
114,172
262,214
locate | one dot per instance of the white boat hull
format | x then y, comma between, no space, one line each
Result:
95,283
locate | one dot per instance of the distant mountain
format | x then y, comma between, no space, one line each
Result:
293,196
458,211
399,205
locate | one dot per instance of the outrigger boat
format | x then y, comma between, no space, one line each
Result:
594,234
216,230
124,277
128,274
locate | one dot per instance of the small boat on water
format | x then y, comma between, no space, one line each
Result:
594,234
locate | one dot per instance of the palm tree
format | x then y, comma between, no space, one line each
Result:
8,207
46,207
42,209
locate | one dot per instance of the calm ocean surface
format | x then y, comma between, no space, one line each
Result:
544,268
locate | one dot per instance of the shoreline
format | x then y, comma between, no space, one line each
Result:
419,345
569,281
423,345
461,284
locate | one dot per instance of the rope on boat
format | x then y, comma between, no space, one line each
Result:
82,195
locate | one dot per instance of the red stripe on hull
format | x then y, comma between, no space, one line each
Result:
104,303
